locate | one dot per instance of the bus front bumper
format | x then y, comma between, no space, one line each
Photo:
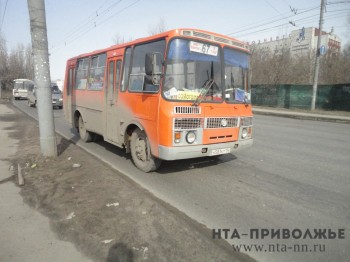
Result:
185,152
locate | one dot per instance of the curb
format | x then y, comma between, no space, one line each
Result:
303,116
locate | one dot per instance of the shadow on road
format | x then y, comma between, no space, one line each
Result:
120,252
194,163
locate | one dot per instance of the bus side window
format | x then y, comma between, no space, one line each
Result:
125,80
138,81
117,77
70,81
97,72
111,77
82,73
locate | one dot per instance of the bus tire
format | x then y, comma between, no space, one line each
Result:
141,152
85,135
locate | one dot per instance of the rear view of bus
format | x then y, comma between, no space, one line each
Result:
21,88
177,95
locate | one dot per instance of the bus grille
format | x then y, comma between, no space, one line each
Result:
188,123
221,122
201,35
187,110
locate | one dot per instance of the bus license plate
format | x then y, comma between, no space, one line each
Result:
220,151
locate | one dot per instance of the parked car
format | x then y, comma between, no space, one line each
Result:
57,97
21,88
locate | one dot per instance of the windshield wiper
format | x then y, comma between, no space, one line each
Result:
207,85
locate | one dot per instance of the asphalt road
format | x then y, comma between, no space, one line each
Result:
296,176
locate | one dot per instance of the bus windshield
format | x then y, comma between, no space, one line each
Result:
194,72
191,67
236,76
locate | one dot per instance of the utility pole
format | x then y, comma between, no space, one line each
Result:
42,77
317,61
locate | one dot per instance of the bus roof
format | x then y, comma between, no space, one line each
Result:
187,32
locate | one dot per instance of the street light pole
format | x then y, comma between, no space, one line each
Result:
42,77
317,60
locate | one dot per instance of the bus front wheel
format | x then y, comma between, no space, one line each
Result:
141,152
85,135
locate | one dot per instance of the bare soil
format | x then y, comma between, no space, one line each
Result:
106,215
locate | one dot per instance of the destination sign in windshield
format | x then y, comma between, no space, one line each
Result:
204,48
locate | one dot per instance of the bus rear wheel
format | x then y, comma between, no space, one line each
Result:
85,135
141,152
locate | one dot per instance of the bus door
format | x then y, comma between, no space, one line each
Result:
68,107
112,108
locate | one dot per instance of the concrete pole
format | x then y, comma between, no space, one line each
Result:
42,77
317,61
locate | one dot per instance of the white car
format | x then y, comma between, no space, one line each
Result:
57,97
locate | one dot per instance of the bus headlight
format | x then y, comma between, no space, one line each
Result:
244,133
191,137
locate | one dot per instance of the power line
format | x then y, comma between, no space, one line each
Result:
304,19
120,11
274,8
339,2
343,10
3,16
94,25
271,22
91,19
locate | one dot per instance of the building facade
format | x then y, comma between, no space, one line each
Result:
300,42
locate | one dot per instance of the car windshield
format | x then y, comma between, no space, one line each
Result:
55,90
193,71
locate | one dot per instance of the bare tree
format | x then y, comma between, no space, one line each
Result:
29,63
118,39
259,62
15,64
348,25
280,68
301,68
335,68
3,57
158,28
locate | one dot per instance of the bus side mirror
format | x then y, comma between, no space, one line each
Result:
151,66
150,63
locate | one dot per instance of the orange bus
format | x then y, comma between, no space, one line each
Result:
180,94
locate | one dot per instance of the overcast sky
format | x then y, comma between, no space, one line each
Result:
79,26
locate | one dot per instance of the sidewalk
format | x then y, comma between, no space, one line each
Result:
25,234
318,115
